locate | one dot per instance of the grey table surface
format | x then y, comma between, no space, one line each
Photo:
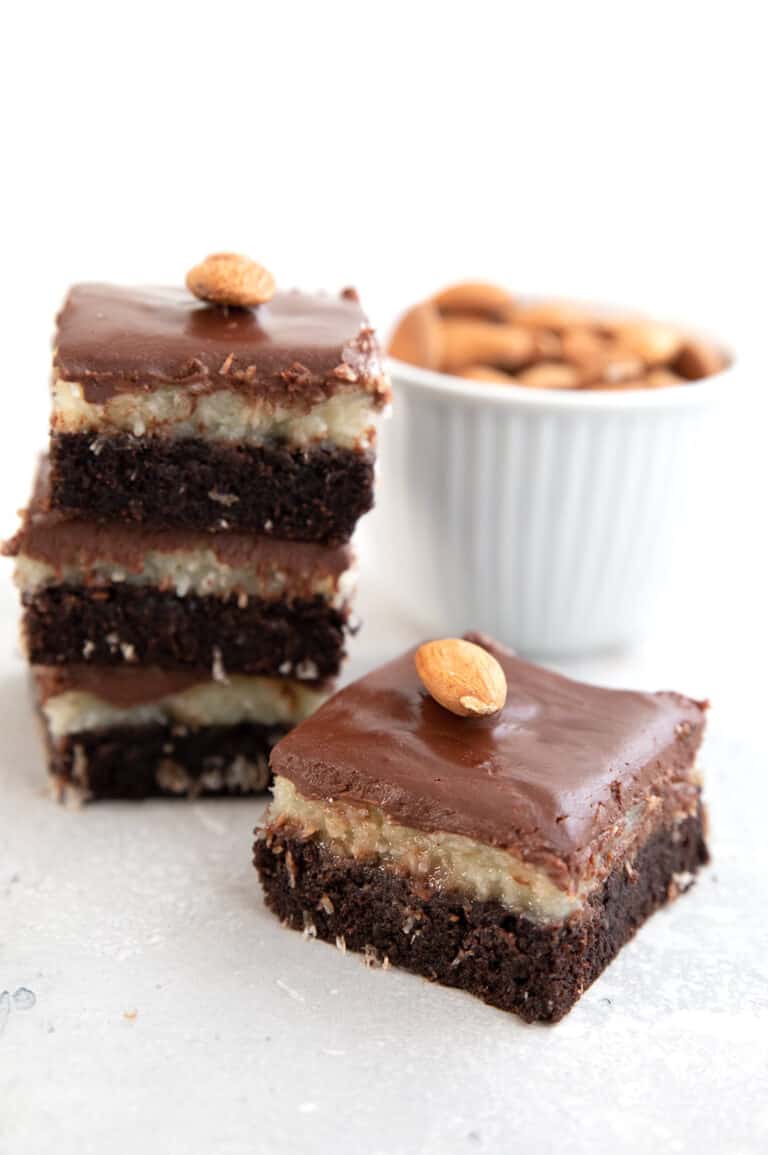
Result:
149,1002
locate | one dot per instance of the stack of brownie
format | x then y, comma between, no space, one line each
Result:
184,563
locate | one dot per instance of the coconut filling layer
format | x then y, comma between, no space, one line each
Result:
188,572
266,701
346,419
445,861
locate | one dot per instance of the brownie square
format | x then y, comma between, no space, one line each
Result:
511,855
172,412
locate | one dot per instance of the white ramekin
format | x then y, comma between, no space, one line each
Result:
546,518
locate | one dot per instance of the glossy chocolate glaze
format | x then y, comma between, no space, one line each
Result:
547,777
299,347
49,536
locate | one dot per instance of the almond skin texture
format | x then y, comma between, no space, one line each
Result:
483,343
487,373
557,315
478,331
462,677
620,368
230,279
418,337
475,299
585,349
698,359
550,375
652,342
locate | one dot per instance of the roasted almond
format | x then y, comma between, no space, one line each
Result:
653,342
620,367
475,299
698,359
583,348
547,345
550,375
486,373
462,677
478,331
230,279
417,338
557,315
483,343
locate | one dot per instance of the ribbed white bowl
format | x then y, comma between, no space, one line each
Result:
546,518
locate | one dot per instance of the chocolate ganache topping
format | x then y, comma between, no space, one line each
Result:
545,777
298,347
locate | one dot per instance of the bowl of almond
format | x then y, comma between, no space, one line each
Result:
535,473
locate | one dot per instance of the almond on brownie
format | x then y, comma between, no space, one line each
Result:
511,853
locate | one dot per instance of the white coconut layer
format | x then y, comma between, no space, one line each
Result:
345,419
448,861
188,572
269,701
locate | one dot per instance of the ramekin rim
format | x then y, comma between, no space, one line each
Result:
688,395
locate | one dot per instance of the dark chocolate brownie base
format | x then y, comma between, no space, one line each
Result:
124,625
538,972
316,494
144,761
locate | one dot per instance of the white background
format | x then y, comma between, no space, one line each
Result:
610,150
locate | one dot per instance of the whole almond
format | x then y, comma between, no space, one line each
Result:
583,348
621,367
652,341
475,299
547,345
550,375
557,315
230,279
698,359
418,337
486,373
467,342
462,677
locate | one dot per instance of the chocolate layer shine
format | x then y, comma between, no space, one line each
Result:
548,777
300,346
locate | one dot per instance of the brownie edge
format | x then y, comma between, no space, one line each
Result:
133,762
505,959
140,625
314,495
